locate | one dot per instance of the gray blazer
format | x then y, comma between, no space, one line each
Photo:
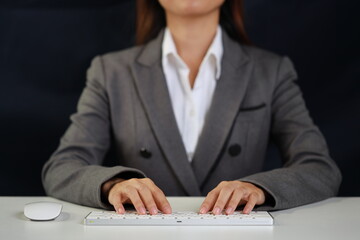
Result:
126,107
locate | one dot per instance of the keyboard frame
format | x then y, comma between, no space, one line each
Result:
182,218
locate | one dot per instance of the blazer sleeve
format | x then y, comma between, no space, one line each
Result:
74,172
308,173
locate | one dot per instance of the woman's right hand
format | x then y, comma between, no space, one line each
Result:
141,192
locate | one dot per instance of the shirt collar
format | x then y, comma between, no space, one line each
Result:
215,50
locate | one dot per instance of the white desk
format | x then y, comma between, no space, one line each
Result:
332,219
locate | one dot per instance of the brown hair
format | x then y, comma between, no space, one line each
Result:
151,19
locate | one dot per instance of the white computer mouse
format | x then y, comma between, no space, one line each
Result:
42,211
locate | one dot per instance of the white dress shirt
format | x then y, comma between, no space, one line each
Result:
190,105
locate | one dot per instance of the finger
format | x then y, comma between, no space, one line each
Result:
222,200
118,206
234,201
250,204
120,209
148,200
209,201
161,201
135,199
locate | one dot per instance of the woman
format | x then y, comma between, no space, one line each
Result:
190,112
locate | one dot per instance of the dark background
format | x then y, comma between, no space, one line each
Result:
46,47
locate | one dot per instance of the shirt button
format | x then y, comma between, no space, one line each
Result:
192,113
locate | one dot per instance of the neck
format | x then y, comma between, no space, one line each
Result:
193,34
192,37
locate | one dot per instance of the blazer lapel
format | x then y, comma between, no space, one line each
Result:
230,90
152,89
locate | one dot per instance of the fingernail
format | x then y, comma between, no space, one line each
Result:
202,210
167,210
120,211
229,210
216,210
153,211
142,210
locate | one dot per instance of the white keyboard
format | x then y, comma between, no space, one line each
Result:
106,218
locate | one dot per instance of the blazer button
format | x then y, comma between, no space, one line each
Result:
145,153
234,150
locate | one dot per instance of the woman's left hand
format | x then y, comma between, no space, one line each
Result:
230,194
